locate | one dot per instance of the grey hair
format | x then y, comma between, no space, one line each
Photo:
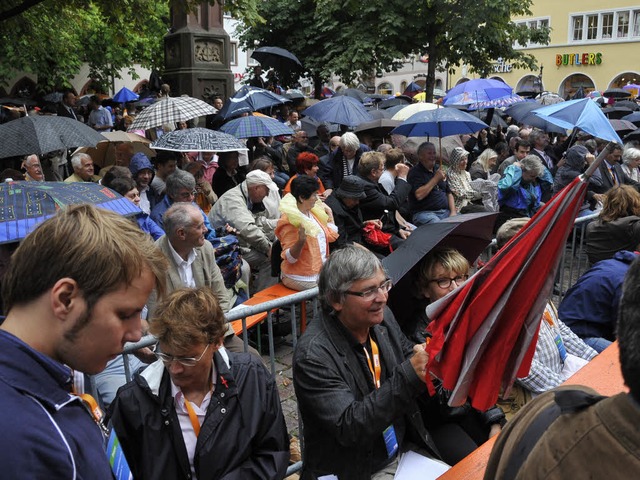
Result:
423,146
31,158
345,266
534,135
630,154
76,160
532,163
178,180
178,216
350,140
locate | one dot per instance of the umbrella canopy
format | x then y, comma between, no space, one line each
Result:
104,153
622,127
475,91
631,86
522,113
249,99
198,140
616,93
31,203
405,112
549,98
484,333
616,112
340,109
276,57
635,135
633,118
583,114
353,93
627,104
255,126
440,122
53,97
379,127
171,110
397,100
125,95
42,134
499,102
412,89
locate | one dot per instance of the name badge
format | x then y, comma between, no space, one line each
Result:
117,460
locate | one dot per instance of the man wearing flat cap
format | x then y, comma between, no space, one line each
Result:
242,208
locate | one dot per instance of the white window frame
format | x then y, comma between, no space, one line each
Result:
233,54
539,22
632,33
251,62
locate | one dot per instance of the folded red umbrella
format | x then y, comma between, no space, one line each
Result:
484,333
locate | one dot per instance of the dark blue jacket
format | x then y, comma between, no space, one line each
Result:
46,432
590,307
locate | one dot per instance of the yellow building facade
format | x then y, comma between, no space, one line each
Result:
591,47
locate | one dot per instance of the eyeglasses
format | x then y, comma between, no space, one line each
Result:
185,361
370,294
446,282
187,194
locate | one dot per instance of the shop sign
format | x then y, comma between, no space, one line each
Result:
502,67
566,59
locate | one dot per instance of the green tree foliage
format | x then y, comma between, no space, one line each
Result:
54,38
354,39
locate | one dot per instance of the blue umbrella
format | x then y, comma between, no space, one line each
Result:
633,118
583,114
250,99
31,203
475,91
339,109
255,126
521,113
439,122
125,95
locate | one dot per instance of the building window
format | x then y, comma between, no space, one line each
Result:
252,62
607,25
592,27
233,55
636,23
623,24
533,24
577,28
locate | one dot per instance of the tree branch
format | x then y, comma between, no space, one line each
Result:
17,10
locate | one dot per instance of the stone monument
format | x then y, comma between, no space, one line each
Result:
196,53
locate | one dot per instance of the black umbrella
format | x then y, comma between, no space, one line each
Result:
616,112
377,114
635,135
622,126
18,101
276,57
380,127
628,104
616,93
397,100
353,93
42,134
522,113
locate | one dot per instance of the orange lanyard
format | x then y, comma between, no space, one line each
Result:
192,416
547,316
93,408
374,367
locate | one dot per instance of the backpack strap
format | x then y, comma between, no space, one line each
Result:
564,401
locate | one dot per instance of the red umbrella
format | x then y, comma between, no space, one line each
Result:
484,333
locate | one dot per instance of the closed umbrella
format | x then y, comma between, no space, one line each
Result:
198,140
125,95
31,203
583,114
255,126
42,134
340,109
250,99
171,110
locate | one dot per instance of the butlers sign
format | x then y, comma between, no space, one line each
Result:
586,59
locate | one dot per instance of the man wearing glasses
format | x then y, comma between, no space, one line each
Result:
200,411
357,377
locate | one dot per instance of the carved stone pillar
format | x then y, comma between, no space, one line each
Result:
197,54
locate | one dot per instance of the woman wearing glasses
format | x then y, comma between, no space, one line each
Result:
200,411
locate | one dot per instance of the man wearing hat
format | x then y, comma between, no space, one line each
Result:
242,208
344,203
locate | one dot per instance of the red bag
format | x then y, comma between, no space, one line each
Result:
373,235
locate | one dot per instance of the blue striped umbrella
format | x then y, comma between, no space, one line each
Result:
256,126
27,204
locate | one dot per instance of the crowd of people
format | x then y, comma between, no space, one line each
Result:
318,211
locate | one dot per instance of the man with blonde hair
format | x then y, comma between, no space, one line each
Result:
67,313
